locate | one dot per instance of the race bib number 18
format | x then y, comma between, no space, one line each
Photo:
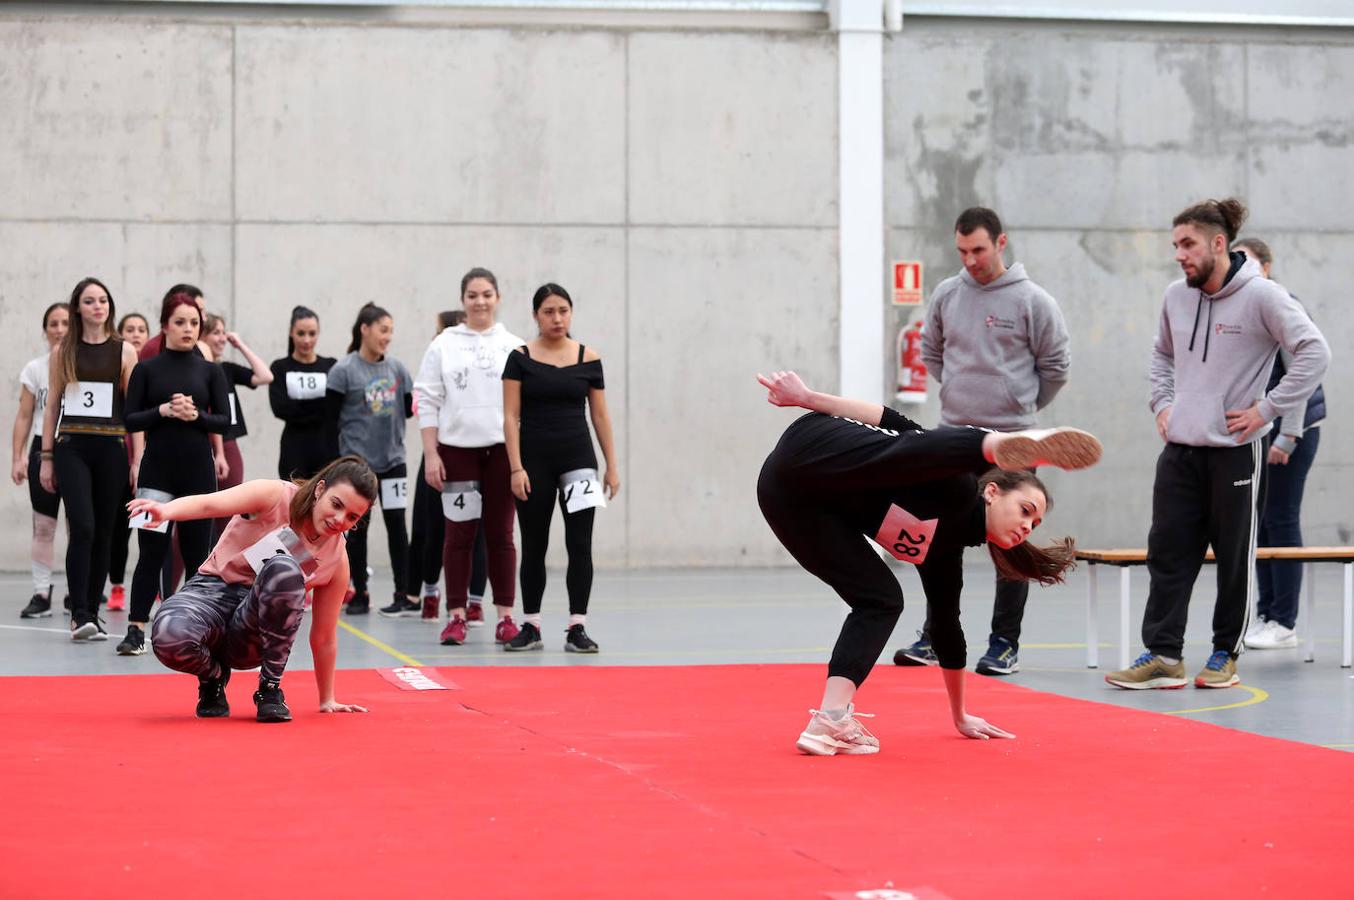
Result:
306,385
905,536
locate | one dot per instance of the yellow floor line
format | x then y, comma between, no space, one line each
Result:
1257,696
379,645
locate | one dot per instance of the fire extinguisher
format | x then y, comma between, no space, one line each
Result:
911,369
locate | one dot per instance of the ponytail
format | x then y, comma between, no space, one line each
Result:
1026,562
368,315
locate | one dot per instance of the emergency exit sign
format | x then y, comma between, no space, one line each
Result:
907,289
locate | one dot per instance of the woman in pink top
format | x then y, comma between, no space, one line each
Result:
244,606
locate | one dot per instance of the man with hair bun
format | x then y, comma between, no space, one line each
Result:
1220,329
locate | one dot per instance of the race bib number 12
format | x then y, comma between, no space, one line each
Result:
905,536
581,490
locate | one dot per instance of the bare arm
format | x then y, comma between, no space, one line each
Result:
262,374
324,638
601,423
786,389
56,381
967,725
245,499
512,437
23,423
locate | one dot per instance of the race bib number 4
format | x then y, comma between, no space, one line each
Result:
581,490
89,399
461,501
394,493
306,385
905,536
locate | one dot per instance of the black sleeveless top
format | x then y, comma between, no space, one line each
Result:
554,398
93,405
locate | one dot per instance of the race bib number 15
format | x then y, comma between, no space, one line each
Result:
905,536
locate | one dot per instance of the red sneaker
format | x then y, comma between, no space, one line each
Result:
454,633
505,630
474,615
117,598
349,594
431,613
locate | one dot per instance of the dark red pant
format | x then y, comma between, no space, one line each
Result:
488,466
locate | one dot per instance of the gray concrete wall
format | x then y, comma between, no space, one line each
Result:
682,184
1088,142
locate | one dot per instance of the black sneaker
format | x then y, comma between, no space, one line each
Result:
272,705
39,607
211,696
919,654
1000,658
401,608
576,640
529,638
134,644
66,604
360,605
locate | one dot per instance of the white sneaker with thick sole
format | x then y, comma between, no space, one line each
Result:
1272,637
826,736
1066,448
1257,628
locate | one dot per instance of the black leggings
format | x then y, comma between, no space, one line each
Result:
122,535
304,451
171,470
533,516
397,541
91,470
427,537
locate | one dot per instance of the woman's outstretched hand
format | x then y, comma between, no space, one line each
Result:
333,706
784,389
979,729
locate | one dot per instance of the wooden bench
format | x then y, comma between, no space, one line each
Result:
1126,559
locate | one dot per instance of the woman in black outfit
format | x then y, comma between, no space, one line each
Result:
178,399
297,397
87,453
853,469
546,385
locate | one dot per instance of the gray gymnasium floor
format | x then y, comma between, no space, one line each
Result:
703,617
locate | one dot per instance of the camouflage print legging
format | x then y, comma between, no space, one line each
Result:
209,624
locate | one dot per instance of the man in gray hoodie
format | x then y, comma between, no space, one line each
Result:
1220,330
997,344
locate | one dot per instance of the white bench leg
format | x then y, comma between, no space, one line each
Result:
1309,612
1124,611
1348,659
1092,611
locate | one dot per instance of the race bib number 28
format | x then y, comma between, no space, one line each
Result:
905,536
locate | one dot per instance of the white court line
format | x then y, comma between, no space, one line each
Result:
65,631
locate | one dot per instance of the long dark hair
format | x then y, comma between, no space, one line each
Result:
48,314
369,314
351,470
297,314
71,345
549,289
478,272
1024,561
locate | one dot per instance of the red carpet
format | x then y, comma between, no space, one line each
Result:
647,783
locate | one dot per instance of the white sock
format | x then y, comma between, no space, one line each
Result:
476,600
42,578
575,619
1170,661
431,590
835,715
533,618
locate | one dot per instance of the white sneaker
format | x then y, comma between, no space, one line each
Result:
1257,627
825,736
1066,448
1273,637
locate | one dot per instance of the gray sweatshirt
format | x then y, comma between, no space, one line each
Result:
1214,353
999,350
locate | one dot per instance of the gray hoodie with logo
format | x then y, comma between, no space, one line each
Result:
999,350
1214,353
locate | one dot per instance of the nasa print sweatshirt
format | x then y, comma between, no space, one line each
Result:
1214,353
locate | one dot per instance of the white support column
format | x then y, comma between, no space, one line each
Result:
860,139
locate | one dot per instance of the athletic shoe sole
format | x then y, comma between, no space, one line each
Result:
402,614
273,718
1286,644
570,648
37,615
903,658
1161,684
1200,683
822,745
85,632
1066,448
131,651
534,645
987,669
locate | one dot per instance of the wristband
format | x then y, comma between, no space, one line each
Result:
46,454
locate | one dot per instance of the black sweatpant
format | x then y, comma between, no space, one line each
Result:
397,540
91,470
178,471
544,468
1203,496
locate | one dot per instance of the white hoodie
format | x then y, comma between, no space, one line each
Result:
459,388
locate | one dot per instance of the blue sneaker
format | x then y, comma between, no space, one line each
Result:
1000,658
919,654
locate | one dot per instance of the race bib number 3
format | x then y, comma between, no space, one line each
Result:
306,385
905,536
461,501
581,490
89,399
394,493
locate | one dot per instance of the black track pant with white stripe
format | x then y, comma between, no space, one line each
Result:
1203,496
